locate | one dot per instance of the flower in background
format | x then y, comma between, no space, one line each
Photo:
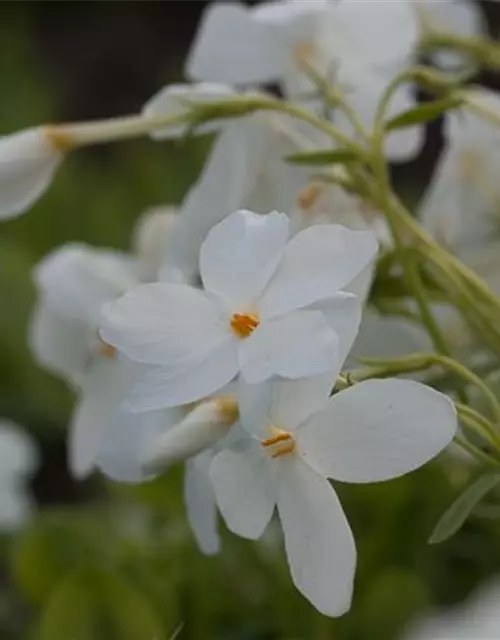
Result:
18,461
269,307
300,437
73,283
28,161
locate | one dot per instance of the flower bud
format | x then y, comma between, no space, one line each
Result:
28,160
200,429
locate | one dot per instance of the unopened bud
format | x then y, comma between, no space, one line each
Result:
28,160
200,429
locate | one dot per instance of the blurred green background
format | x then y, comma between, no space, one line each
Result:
104,562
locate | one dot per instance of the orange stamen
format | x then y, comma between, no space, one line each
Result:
280,437
244,324
290,448
308,197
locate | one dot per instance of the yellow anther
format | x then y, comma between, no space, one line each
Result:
106,351
228,408
309,196
244,324
304,52
283,451
282,436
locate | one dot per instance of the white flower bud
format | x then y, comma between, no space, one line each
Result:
200,429
28,160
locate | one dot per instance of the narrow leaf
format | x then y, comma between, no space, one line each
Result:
323,156
423,113
455,516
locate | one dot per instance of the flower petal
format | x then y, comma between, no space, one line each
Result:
107,382
172,100
282,403
318,540
18,453
28,161
125,439
76,280
244,490
232,47
378,429
299,345
162,323
59,344
316,263
200,502
198,377
241,253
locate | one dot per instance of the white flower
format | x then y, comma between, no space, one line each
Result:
74,282
478,618
18,461
269,308
462,204
150,240
301,436
136,448
28,161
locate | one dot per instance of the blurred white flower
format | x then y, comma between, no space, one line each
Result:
461,206
18,461
478,618
301,436
269,308
28,161
73,284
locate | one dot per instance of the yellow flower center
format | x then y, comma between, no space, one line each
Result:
308,196
281,444
106,350
244,324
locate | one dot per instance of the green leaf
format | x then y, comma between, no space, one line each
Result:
455,516
96,604
423,113
323,156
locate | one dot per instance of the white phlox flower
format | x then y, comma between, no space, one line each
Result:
137,448
461,206
28,161
269,307
478,617
74,282
18,461
299,437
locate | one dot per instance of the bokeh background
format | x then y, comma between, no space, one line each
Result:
103,561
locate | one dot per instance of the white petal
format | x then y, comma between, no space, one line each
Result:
318,540
28,161
200,502
61,344
223,187
378,429
244,490
281,403
150,237
107,383
200,429
232,47
18,453
343,314
241,253
173,99
316,263
300,344
162,323
77,280
198,377
16,506
127,437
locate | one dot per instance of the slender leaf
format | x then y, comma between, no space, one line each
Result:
423,113
455,516
323,156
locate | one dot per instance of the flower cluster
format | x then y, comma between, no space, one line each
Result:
222,339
